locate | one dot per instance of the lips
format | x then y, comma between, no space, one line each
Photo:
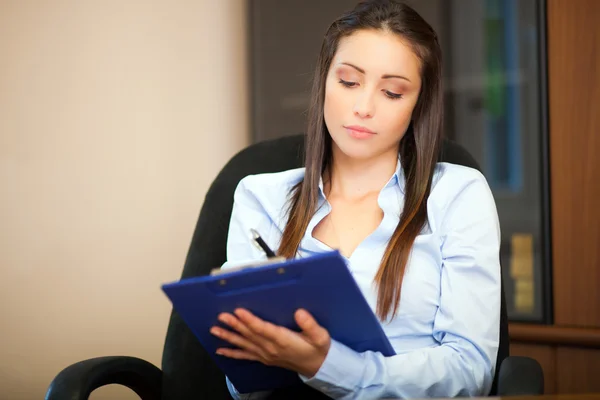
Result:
358,128
359,132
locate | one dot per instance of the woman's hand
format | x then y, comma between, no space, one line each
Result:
275,345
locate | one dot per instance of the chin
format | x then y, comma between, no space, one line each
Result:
359,150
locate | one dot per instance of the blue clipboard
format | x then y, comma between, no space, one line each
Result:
322,284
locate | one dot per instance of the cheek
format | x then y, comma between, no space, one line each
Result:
396,120
331,107
338,100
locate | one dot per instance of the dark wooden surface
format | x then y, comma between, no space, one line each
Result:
588,396
574,101
555,335
577,370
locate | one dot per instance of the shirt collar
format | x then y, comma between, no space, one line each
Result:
398,177
321,190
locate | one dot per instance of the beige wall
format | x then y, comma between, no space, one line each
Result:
114,118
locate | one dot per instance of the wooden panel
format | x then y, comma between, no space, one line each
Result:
554,335
587,396
577,370
574,90
545,355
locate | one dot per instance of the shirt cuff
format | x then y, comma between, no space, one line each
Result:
245,396
339,374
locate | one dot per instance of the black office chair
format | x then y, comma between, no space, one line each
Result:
188,372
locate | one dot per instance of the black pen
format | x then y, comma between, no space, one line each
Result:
264,247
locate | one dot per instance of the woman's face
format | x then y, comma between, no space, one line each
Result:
371,90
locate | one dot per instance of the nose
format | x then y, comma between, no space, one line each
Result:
364,107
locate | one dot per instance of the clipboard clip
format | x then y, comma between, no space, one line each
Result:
254,264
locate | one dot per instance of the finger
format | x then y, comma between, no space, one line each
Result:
311,329
237,354
235,323
262,328
244,330
235,339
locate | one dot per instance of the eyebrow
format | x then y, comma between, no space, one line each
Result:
386,76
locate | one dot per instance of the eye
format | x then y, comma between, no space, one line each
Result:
347,83
392,95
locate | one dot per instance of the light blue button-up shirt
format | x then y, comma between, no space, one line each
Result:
446,331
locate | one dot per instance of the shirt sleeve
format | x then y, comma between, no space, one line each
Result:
466,325
247,213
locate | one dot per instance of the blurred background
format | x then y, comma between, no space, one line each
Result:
115,117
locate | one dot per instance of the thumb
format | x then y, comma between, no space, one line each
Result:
311,329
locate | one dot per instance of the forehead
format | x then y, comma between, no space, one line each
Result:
378,53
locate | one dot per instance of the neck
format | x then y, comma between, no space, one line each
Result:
356,178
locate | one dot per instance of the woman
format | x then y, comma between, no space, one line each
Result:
420,237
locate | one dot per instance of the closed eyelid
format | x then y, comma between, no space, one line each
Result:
348,75
395,89
388,93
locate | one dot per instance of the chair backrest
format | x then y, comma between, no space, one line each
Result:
188,371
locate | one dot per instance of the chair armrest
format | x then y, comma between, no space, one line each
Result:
78,380
520,376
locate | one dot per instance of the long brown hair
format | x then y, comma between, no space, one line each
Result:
419,147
